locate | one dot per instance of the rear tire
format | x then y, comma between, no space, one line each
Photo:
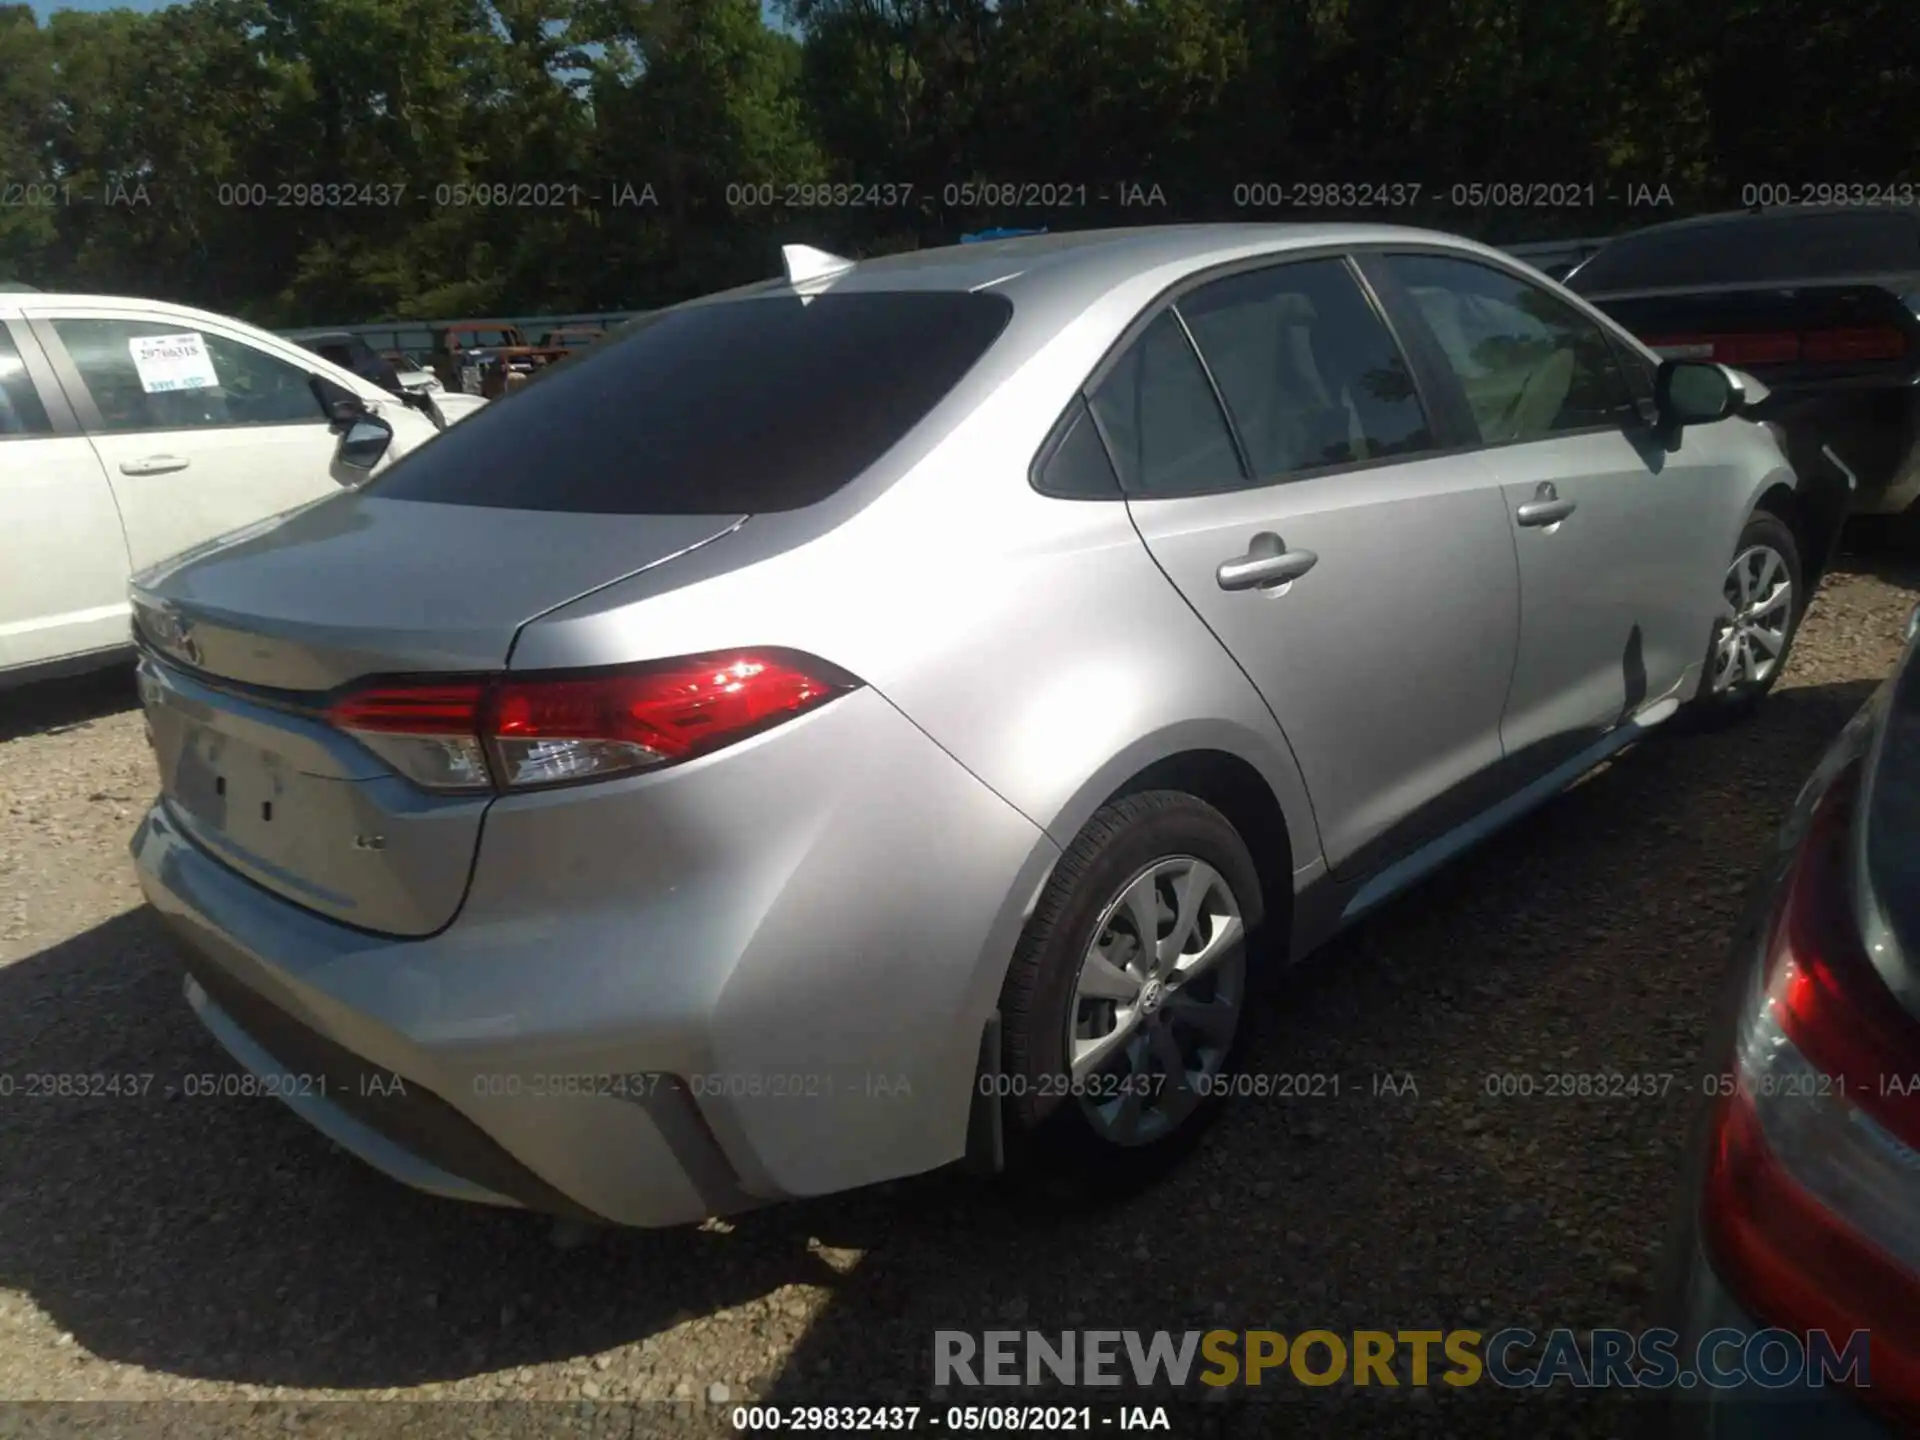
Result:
1753,633
1095,1025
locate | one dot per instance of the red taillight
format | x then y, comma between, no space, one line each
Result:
1832,347
552,729
1837,1011
428,731
1756,349
1841,345
411,709
1812,1203
549,729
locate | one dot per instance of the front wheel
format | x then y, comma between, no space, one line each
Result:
1127,999
1762,598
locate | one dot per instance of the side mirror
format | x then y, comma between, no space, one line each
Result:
365,442
1913,624
1748,393
340,405
422,401
1692,392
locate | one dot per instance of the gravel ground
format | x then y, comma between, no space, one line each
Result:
216,1250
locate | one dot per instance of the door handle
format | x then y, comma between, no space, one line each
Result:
1546,507
1267,562
154,465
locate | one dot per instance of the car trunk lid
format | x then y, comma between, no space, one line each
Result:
245,641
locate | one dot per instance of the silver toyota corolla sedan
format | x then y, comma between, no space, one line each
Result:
892,714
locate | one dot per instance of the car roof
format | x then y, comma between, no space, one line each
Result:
31,303
41,299
1085,264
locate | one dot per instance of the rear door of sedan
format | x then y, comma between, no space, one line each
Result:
1282,465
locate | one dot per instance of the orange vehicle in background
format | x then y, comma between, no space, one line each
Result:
482,356
571,337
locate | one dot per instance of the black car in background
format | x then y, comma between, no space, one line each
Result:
1801,1206
351,352
1816,302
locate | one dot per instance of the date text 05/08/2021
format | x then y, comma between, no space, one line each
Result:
948,1419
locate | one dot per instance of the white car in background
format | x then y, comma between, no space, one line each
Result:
131,430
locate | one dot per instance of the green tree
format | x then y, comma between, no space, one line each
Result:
697,117
630,152
27,231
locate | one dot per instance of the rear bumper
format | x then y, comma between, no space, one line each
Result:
1750,1412
405,1130
653,1007
258,973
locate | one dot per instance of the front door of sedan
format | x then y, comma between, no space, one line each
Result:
198,438
1615,536
1366,587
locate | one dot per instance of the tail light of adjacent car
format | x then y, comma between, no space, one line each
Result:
1848,344
1839,345
1812,1200
519,732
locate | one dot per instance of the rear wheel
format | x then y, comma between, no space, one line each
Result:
1762,597
1127,1001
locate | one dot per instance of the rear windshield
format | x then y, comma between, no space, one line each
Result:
1755,248
728,408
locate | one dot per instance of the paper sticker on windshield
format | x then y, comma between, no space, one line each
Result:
172,362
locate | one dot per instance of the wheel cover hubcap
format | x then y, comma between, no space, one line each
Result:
1756,610
1158,999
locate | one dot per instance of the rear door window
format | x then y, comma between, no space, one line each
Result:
1310,374
1077,466
1161,420
765,404
21,412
